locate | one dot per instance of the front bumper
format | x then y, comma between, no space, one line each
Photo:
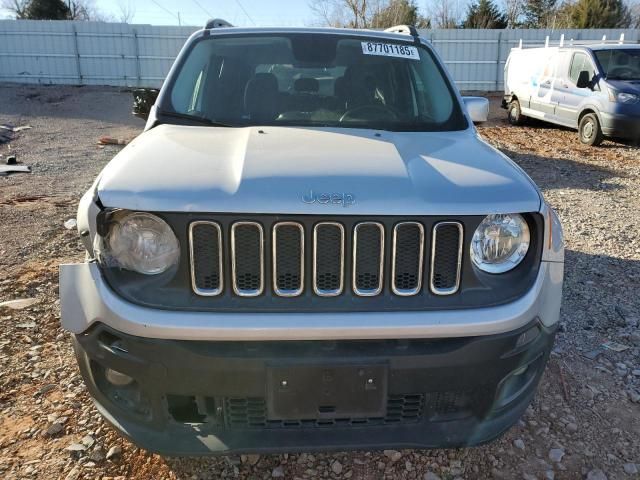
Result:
204,397
86,299
622,126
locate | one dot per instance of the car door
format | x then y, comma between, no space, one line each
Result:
573,97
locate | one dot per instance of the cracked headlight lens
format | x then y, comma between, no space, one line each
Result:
500,243
141,242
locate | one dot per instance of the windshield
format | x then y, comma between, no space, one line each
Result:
620,64
313,80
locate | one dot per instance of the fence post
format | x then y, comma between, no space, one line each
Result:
137,52
499,56
77,52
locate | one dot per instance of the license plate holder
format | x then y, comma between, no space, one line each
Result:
316,392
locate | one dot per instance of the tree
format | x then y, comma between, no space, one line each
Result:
127,11
484,14
343,13
539,13
444,13
53,9
512,12
47,10
367,13
600,14
399,12
17,8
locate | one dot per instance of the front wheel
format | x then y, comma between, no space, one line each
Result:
515,113
589,130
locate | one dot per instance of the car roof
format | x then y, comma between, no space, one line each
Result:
357,32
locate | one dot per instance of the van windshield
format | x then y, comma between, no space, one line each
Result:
312,80
620,64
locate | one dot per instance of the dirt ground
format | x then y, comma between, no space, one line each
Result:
584,422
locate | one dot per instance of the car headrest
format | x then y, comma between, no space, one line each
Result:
261,96
307,85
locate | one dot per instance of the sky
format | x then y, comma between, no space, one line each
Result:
196,12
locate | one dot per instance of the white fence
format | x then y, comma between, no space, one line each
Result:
88,53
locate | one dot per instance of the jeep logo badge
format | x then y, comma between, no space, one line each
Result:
344,199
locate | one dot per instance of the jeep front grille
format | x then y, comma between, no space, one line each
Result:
374,257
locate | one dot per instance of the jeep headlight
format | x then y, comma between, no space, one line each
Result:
141,242
500,243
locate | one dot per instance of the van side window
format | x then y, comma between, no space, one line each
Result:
579,63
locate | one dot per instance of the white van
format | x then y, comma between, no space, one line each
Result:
594,89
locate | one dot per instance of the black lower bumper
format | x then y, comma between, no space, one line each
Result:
195,398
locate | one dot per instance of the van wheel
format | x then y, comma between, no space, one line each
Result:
514,113
589,130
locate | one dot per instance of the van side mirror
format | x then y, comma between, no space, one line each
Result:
584,79
478,108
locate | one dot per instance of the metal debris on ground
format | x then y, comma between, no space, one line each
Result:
616,347
112,141
7,169
7,131
19,303
593,354
70,224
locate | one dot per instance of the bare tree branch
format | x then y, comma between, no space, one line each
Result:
444,13
18,8
127,11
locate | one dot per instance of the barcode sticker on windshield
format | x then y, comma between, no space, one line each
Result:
390,50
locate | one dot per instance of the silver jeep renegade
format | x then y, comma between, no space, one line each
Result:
309,248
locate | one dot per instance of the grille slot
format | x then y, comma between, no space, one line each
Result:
368,258
328,259
244,412
407,258
446,258
288,259
247,258
205,250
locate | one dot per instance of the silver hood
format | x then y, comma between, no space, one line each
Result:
314,171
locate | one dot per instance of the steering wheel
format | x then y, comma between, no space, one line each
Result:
363,111
622,72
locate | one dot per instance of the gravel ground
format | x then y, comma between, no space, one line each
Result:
584,422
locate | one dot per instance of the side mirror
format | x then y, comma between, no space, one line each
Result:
143,100
584,79
478,108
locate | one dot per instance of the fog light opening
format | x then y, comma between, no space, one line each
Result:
117,379
527,337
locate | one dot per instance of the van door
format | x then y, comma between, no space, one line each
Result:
569,106
541,98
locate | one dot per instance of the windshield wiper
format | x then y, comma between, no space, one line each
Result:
194,118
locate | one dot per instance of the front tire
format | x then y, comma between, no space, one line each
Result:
515,113
589,130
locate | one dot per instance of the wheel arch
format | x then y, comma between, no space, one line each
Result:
589,109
